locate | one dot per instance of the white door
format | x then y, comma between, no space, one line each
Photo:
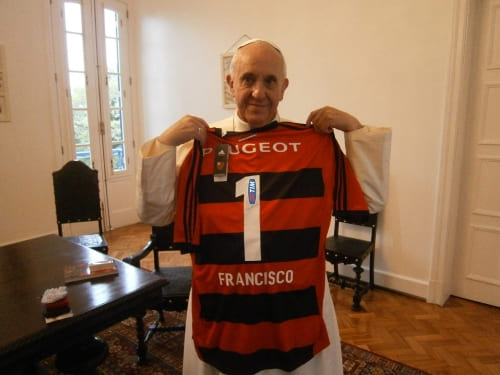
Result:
477,264
94,90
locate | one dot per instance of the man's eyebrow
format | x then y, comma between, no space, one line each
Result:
247,74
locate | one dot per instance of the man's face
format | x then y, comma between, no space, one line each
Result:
258,83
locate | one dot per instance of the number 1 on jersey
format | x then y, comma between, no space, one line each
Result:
249,188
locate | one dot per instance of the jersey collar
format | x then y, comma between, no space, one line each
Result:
242,126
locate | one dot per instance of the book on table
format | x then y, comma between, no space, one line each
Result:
88,271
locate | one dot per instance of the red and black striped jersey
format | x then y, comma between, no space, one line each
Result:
254,209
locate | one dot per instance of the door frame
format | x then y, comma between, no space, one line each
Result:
465,18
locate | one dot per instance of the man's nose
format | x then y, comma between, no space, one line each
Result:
258,90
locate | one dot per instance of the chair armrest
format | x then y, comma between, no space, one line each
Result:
135,259
161,238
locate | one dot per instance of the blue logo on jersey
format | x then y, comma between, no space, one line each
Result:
252,191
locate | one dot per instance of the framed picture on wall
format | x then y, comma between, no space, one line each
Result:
227,99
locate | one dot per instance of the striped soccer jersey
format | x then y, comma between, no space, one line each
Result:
254,209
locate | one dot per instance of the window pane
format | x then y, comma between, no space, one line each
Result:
110,23
83,154
114,91
111,29
112,55
118,157
74,45
78,90
116,125
81,127
73,17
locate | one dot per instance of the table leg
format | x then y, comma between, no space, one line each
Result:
142,349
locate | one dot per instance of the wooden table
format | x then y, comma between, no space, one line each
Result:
30,267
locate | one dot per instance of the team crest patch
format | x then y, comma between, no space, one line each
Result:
220,162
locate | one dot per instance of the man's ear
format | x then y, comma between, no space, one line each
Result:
230,83
284,87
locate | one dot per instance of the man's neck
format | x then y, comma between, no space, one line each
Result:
240,125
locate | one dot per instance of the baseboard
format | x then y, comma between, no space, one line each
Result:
399,283
402,284
439,293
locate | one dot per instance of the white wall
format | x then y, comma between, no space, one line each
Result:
27,144
386,61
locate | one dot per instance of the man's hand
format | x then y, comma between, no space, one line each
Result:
186,128
325,119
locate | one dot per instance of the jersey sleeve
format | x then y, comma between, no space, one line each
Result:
186,236
348,195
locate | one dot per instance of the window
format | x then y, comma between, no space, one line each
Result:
93,83
105,34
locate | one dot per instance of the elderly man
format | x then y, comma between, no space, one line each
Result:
257,81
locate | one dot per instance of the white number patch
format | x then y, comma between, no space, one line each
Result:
249,188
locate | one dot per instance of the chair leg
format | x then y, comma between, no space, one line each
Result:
356,306
161,317
154,326
337,276
372,270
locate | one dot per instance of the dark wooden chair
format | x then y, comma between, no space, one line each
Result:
175,294
352,251
76,193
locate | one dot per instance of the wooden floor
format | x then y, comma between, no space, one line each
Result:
462,337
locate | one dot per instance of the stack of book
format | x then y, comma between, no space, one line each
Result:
88,271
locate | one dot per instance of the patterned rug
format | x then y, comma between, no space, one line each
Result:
165,354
